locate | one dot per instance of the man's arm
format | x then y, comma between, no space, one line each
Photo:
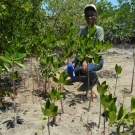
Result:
94,67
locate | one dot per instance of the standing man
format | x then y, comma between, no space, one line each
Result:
90,12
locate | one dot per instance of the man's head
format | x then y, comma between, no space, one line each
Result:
90,14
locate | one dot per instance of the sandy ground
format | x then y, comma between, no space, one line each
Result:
76,116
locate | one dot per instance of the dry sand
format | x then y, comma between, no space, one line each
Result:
76,116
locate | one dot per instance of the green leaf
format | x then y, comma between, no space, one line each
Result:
102,88
43,110
133,111
124,111
127,123
106,100
6,68
61,78
118,130
48,112
92,30
42,127
19,56
118,69
52,105
112,116
55,80
132,107
67,82
47,105
14,75
5,59
20,65
132,115
106,112
42,118
26,6
113,107
96,59
65,75
3,6
60,95
120,113
55,110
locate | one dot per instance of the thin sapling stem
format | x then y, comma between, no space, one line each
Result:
116,84
33,90
15,118
88,87
45,88
104,125
48,125
99,116
61,101
133,73
87,92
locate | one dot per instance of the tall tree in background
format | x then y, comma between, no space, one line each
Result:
21,19
28,20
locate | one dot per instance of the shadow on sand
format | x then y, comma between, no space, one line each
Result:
11,123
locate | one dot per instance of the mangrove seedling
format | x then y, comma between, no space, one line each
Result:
62,80
49,111
102,89
132,113
121,117
42,128
118,70
54,95
90,49
47,69
13,57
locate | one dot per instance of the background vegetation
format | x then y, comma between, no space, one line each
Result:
31,19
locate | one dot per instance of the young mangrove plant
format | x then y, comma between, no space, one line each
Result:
49,111
55,95
108,103
102,89
62,80
47,69
13,57
122,117
42,126
132,113
117,118
90,49
118,70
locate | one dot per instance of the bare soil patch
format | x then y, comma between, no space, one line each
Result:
76,120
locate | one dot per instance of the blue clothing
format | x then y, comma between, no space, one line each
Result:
92,67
